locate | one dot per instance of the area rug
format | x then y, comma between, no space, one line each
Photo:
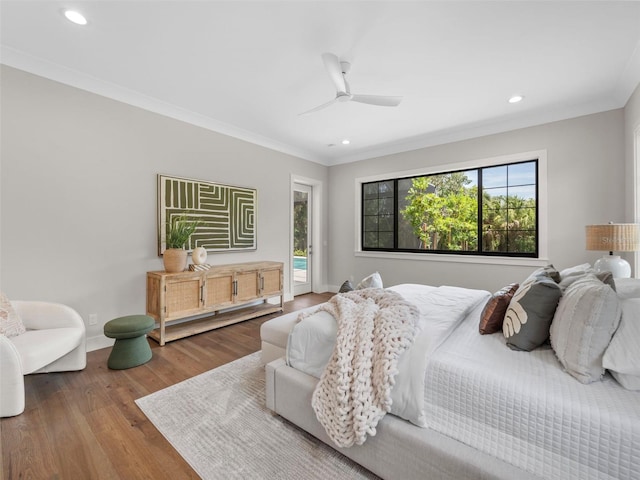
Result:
219,424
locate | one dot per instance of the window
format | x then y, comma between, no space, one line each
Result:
491,210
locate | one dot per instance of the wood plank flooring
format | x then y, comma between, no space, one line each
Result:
85,425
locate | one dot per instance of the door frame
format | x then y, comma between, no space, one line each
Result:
317,257
300,288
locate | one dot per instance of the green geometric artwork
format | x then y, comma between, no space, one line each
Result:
226,214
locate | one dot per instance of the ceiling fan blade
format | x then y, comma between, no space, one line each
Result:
320,107
380,100
334,69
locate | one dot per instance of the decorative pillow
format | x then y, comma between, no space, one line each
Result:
548,271
372,281
621,357
346,287
526,323
570,275
627,288
586,319
607,279
577,270
492,315
10,322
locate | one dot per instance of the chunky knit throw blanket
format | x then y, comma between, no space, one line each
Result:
354,392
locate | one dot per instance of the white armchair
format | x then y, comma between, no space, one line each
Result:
55,341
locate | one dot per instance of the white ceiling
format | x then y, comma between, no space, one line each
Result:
248,69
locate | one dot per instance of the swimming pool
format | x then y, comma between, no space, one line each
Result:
300,263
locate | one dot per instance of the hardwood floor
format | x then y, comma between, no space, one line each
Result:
85,425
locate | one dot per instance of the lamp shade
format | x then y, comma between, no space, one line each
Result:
614,237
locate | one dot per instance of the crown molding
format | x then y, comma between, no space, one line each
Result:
59,73
56,72
481,129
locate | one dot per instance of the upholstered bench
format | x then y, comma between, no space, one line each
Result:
131,348
274,335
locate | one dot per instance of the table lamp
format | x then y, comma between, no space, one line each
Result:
613,237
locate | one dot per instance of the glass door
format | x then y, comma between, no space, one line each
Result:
302,249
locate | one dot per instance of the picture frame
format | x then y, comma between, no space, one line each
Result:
226,214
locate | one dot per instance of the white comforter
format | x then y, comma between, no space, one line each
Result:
521,407
441,309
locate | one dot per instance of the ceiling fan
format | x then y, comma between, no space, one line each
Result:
337,70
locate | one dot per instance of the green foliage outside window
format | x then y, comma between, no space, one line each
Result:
445,213
300,221
508,226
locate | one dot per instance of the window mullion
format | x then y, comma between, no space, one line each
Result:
396,213
480,209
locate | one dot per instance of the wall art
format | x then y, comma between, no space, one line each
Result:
226,214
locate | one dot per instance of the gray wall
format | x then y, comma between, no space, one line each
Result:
78,194
585,163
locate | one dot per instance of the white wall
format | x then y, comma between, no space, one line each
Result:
78,194
585,163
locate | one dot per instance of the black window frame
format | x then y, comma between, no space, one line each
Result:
480,251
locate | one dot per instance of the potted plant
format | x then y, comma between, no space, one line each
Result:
179,230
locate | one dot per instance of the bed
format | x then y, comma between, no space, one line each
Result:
488,411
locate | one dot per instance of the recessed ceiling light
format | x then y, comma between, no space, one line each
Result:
516,99
346,142
75,17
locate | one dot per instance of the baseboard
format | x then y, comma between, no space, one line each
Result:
98,342
288,297
322,289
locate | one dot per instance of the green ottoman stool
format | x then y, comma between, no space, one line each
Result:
131,348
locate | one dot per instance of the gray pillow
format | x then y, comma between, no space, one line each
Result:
530,312
347,286
607,279
548,271
587,317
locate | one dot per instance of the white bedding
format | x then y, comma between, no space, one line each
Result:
441,309
520,407
523,408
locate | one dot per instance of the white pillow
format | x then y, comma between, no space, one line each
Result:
605,277
372,281
311,343
571,274
622,357
587,316
577,270
10,322
627,288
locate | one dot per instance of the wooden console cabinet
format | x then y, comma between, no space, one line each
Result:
219,291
